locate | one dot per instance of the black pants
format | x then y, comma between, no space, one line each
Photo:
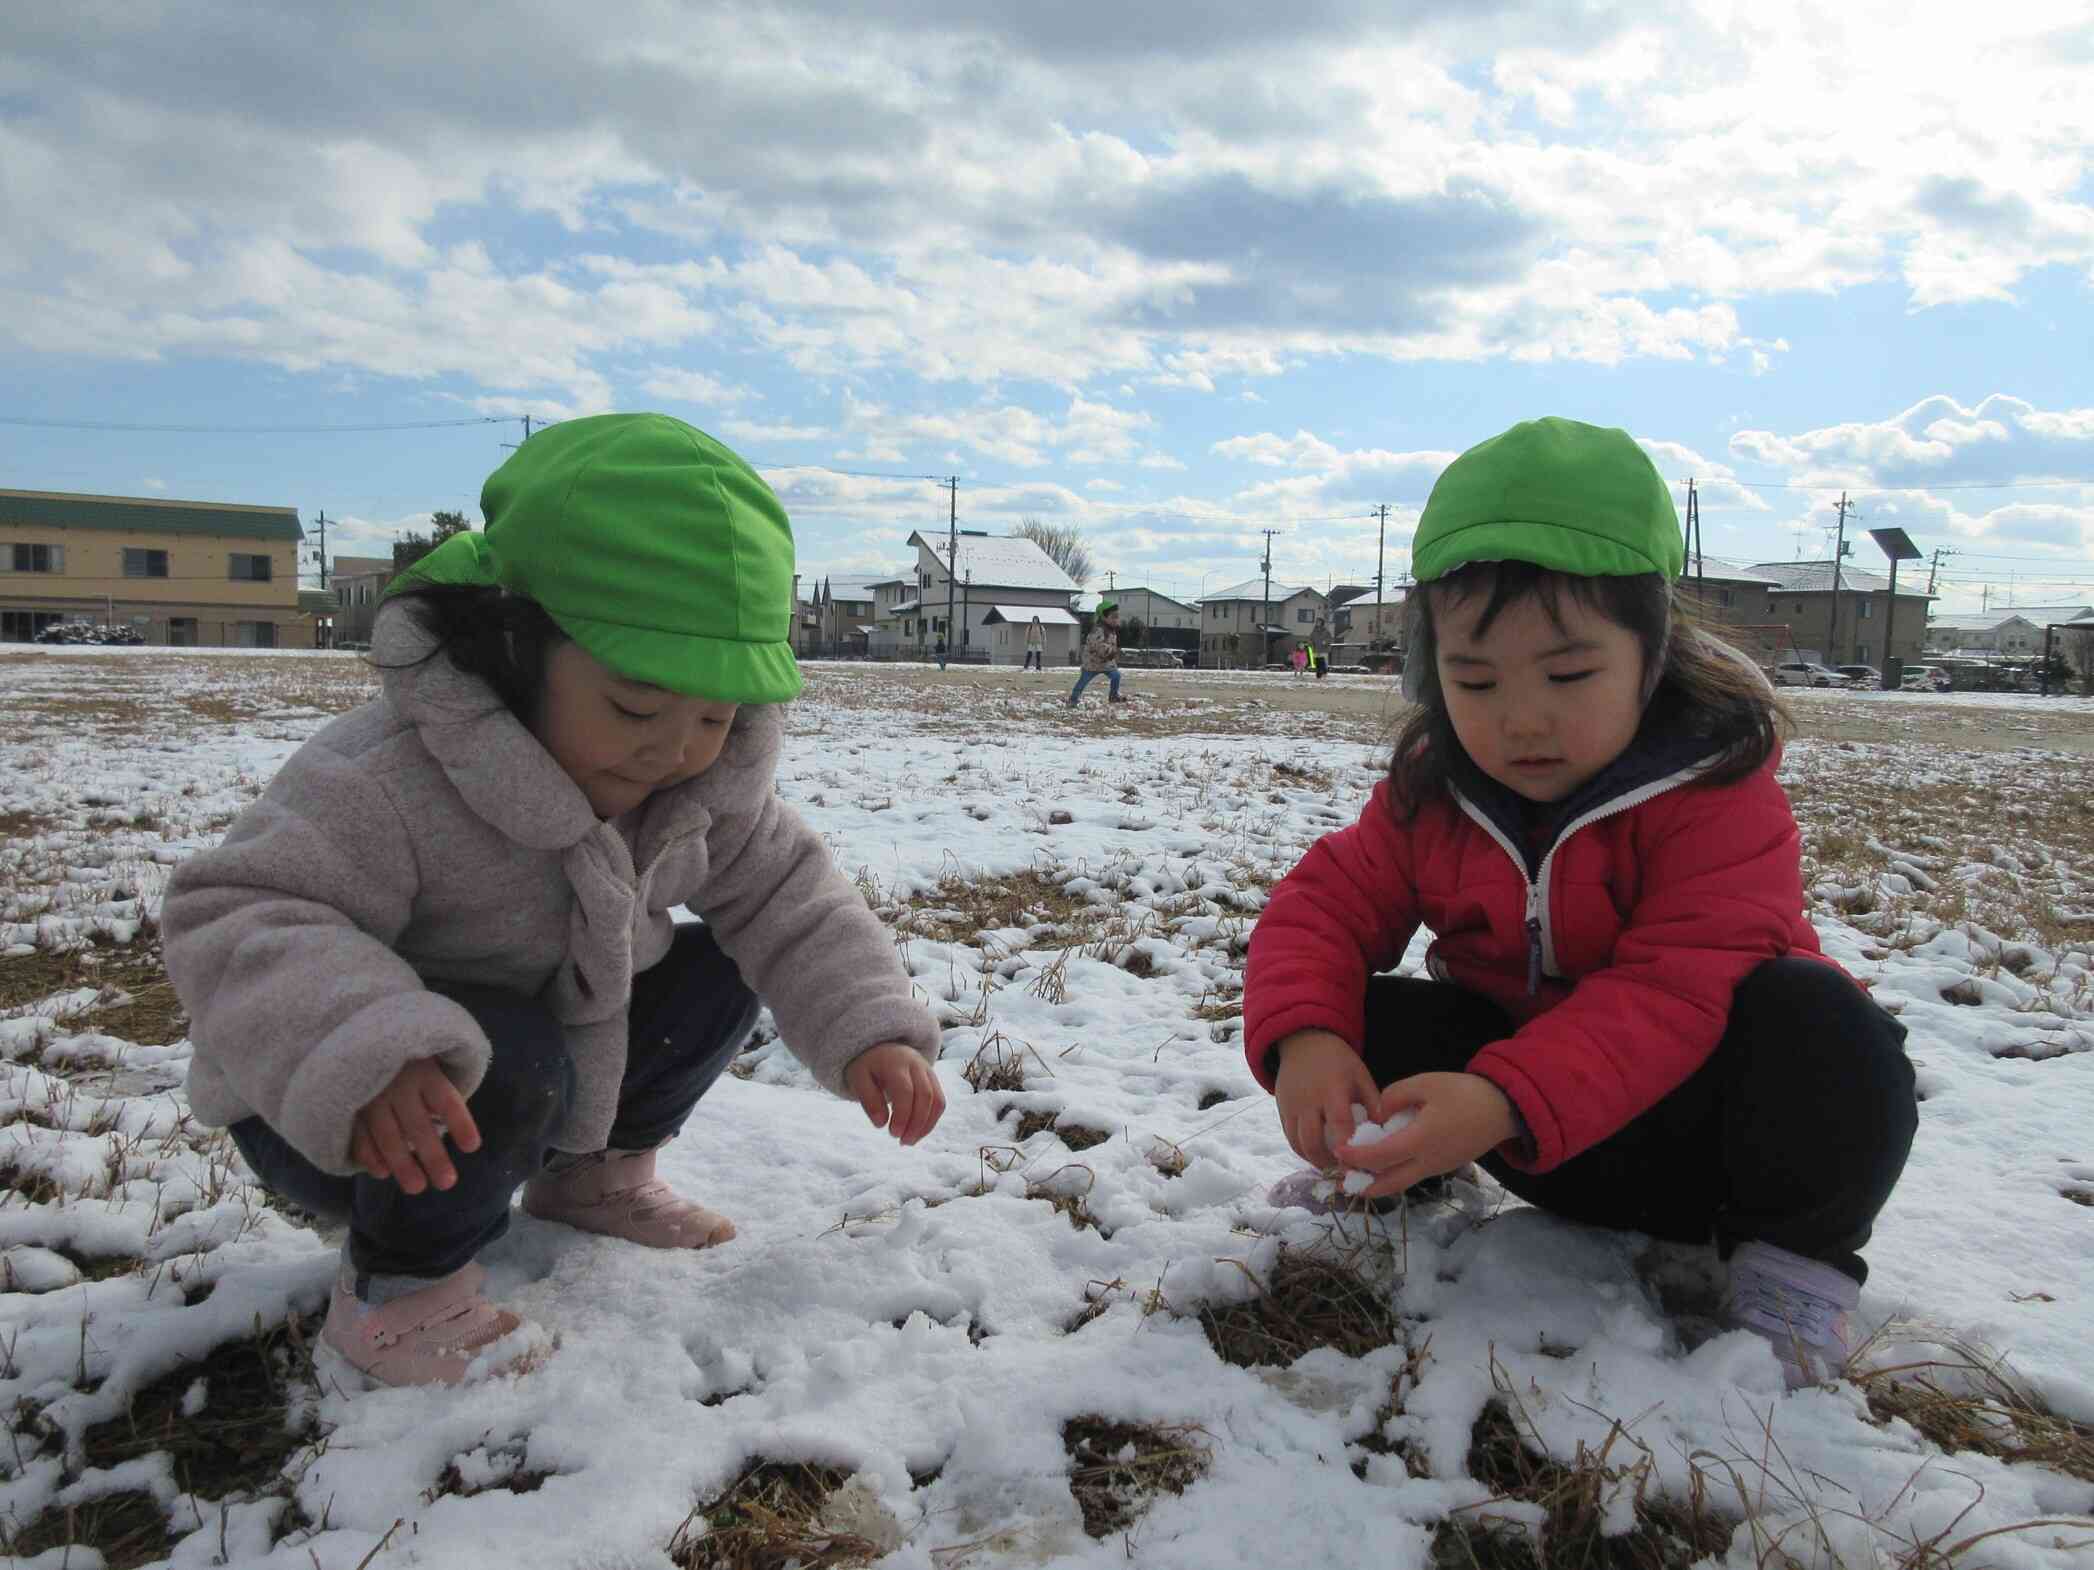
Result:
1792,1133
1032,660
687,1021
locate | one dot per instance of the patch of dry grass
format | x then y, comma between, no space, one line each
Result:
960,910
1310,1299
1117,1469
1966,1400
771,1518
127,1529
21,824
998,1064
237,1447
1575,1497
133,968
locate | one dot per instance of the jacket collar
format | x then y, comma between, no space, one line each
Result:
1665,745
510,781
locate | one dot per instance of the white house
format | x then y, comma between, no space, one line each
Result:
1004,627
1231,622
1148,606
1370,619
994,571
1989,632
896,614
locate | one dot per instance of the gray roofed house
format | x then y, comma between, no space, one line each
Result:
998,569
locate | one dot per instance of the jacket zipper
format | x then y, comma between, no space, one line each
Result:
1539,948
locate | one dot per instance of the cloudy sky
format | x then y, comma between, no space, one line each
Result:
1176,274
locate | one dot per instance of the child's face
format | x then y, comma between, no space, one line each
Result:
1540,707
619,740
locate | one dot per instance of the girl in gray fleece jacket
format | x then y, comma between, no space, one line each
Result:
435,962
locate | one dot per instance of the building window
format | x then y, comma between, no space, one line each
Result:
255,634
1725,597
144,564
181,631
37,558
244,568
1868,609
1304,617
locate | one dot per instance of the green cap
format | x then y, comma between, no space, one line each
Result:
1106,608
652,545
1581,499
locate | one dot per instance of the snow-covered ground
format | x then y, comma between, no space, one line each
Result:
1073,892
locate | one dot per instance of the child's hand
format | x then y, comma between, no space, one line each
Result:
897,1089
400,1134
1459,1117
1320,1080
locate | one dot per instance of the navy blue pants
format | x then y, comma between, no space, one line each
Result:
687,1021
1792,1133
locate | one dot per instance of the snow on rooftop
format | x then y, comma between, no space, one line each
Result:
999,561
1256,589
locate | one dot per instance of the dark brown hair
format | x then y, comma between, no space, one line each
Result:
488,632
1689,676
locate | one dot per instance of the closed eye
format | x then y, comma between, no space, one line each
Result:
1475,686
1571,676
631,714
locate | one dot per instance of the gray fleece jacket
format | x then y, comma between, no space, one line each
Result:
428,836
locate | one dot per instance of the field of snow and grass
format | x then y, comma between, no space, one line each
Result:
1066,1329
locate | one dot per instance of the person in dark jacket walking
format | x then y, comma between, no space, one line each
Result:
1630,1021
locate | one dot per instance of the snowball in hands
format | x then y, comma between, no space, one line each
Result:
1366,1132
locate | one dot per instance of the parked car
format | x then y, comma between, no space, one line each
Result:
1806,673
1152,659
1861,675
1923,678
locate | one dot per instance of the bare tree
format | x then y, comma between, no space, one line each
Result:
1063,542
413,546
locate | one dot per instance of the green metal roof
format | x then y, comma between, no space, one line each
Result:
71,510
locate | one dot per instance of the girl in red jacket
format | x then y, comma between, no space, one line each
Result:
1628,1020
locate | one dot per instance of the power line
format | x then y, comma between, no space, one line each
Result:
1872,490
254,430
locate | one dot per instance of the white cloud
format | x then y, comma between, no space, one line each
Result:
668,381
757,431
1937,441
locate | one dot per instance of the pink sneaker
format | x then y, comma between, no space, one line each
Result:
1800,1305
616,1193
429,1337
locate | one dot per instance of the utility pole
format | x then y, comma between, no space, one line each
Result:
1265,608
952,552
1939,552
1381,540
323,550
1701,592
1839,550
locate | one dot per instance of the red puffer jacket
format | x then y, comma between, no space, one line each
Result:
1617,959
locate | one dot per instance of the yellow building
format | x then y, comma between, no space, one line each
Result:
201,574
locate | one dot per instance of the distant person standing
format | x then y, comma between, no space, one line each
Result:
1035,646
940,652
1101,654
1299,659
